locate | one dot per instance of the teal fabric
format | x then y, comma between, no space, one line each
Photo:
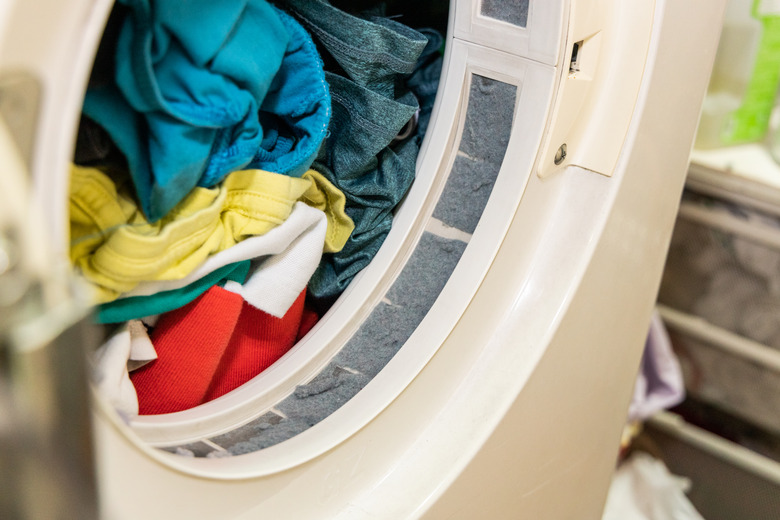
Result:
372,51
204,88
136,307
424,82
373,176
183,106
296,110
367,61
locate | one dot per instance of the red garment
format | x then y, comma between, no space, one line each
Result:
211,346
189,342
258,341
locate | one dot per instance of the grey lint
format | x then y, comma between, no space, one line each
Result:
411,297
195,449
285,430
315,407
483,145
510,11
301,413
247,432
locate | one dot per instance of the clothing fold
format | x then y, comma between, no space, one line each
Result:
368,59
190,102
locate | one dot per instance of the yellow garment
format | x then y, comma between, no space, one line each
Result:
115,247
325,196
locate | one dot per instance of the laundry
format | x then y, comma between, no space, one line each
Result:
137,307
127,349
214,194
276,281
367,61
114,247
284,259
659,384
184,100
274,242
371,195
296,110
210,347
643,488
282,262
323,195
190,342
258,341
424,81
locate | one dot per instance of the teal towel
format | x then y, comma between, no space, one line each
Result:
190,77
136,307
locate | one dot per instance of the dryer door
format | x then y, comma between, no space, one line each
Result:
482,364
45,439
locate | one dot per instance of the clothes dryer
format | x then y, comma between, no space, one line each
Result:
482,364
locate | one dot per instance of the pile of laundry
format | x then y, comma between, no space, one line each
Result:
731,279
237,164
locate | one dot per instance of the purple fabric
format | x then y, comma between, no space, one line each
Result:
659,384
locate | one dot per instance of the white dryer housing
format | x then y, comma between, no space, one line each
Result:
509,371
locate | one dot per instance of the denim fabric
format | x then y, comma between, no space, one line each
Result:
370,105
371,52
370,205
137,307
364,124
183,105
424,82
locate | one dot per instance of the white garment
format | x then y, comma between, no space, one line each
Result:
644,489
278,280
129,349
286,258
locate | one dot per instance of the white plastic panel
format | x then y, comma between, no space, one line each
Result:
59,44
605,51
539,39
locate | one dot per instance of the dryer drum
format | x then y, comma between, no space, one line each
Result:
442,228
402,306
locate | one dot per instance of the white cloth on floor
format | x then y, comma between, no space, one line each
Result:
644,489
128,349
